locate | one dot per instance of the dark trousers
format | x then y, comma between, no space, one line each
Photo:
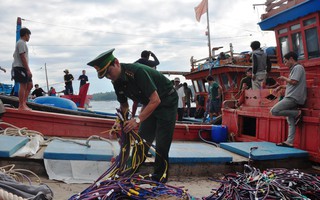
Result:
160,126
68,90
180,114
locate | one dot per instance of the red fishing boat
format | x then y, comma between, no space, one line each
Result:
297,28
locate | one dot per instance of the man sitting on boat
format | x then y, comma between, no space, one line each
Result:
158,97
295,95
245,84
37,92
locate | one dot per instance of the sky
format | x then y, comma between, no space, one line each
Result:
67,34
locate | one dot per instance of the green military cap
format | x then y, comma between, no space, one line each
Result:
102,62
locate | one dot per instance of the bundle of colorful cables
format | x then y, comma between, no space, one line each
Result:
121,181
269,184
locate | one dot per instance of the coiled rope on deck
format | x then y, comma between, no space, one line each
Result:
4,195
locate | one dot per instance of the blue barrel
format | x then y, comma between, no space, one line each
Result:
56,102
219,133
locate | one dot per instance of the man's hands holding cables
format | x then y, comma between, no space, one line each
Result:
131,124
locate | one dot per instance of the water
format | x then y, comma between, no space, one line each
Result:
107,106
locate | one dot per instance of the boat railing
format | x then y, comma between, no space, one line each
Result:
274,7
223,58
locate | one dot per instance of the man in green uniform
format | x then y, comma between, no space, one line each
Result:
155,92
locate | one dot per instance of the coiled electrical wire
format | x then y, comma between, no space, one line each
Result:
121,181
275,183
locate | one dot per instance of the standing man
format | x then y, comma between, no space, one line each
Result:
295,95
188,98
21,71
83,78
68,78
181,103
215,91
145,59
261,65
155,92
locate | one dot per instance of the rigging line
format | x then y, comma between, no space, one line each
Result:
160,43
117,33
235,27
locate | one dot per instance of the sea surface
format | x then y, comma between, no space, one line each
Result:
107,106
110,106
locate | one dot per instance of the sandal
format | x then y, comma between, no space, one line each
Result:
283,144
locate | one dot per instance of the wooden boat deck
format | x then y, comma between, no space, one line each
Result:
186,158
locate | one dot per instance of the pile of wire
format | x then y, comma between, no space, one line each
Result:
121,181
277,183
131,188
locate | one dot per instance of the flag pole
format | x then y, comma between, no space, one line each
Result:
208,29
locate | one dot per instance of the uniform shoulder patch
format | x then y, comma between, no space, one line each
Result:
129,73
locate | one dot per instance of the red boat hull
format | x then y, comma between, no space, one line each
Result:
63,125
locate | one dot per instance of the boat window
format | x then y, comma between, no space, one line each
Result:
225,81
234,80
284,30
195,84
295,27
206,85
309,21
284,45
297,45
312,42
201,86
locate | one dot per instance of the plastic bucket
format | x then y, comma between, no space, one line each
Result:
219,133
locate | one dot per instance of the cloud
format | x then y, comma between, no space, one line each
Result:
66,34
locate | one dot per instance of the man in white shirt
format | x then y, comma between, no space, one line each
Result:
181,95
21,70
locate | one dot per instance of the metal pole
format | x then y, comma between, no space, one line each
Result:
208,27
45,69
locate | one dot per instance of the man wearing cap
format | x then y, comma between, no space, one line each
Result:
155,92
68,78
181,103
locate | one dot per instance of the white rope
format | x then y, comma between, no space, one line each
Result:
187,128
19,177
4,195
12,130
103,139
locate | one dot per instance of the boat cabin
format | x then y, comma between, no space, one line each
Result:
227,69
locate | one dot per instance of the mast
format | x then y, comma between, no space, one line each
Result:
18,29
16,86
45,68
208,29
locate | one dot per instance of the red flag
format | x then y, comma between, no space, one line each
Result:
201,9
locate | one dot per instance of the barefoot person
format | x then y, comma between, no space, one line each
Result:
295,95
21,70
